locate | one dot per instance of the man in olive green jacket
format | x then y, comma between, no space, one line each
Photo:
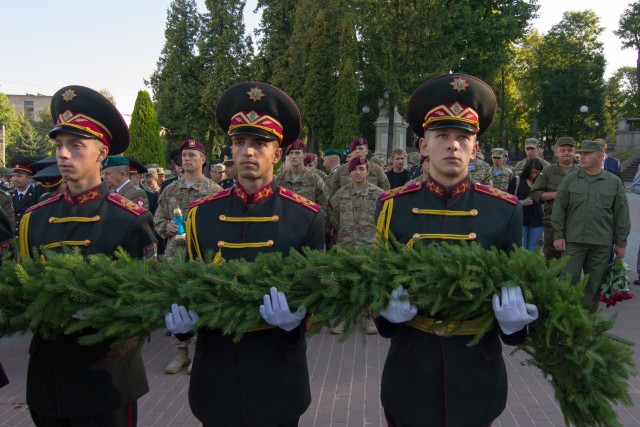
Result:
590,215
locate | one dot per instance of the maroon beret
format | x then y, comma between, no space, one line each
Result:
192,144
358,141
298,144
357,160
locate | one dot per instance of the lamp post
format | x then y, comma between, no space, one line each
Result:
365,111
597,127
584,110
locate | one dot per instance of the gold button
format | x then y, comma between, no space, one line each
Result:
220,244
474,212
415,210
87,242
416,236
275,218
222,217
472,236
52,220
270,242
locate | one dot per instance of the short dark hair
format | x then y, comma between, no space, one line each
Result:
531,164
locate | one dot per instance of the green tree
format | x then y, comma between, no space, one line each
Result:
275,31
224,56
176,82
10,122
28,142
345,105
146,145
569,74
629,33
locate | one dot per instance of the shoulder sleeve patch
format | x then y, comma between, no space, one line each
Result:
126,204
215,196
405,189
494,192
296,198
44,203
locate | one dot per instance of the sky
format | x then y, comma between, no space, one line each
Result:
115,44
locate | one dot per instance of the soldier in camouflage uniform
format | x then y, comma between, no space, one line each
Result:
192,186
352,212
311,163
480,171
302,180
532,151
501,173
377,176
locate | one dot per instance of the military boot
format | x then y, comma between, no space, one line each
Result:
181,360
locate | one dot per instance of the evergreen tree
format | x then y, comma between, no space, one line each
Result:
176,82
146,145
225,56
28,142
275,29
346,120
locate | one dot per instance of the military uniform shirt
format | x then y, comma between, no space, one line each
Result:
340,178
308,185
591,209
66,379
549,180
481,172
177,194
501,179
352,213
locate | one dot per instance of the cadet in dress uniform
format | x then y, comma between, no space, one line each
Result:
431,376
25,194
230,168
51,180
263,380
69,384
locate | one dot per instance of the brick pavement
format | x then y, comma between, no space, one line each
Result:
345,376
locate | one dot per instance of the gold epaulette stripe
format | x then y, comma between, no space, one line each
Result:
494,192
406,189
470,236
274,218
193,246
54,220
43,203
443,212
298,199
67,243
23,236
126,204
441,328
384,221
215,196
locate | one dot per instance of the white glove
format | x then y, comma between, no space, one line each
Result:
513,314
275,311
399,311
179,320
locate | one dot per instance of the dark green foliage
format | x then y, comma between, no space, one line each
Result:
146,145
29,142
123,298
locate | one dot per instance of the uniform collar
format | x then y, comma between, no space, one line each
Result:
86,196
263,193
440,190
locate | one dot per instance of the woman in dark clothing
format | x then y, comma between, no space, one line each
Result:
520,186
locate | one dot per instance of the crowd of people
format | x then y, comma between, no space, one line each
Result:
268,194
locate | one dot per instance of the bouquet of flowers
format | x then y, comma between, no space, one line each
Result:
615,285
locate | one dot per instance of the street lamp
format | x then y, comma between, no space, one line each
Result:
584,110
597,125
365,111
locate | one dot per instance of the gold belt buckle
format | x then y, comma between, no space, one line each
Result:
439,328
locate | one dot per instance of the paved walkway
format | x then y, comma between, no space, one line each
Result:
345,376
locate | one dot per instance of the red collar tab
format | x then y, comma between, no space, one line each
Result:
262,194
439,190
84,197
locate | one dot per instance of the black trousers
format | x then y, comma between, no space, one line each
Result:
126,416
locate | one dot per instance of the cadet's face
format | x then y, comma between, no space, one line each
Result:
359,174
295,157
254,156
565,154
79,158
20,180
449,152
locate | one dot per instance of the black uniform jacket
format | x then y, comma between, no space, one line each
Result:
263,380
65,379
30,198
436,380
6,234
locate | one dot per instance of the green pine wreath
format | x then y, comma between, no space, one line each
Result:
119,299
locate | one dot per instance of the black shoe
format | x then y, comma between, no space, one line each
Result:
637,282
